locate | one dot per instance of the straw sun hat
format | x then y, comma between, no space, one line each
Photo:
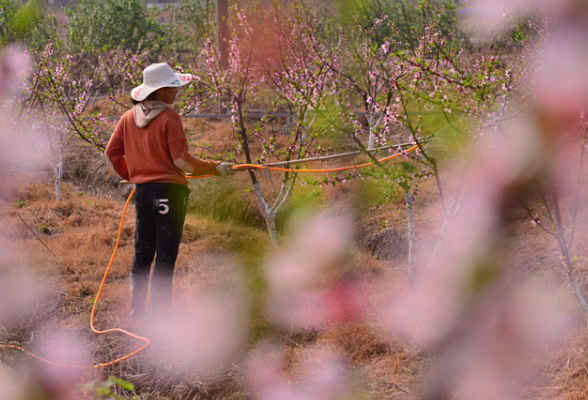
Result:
157,76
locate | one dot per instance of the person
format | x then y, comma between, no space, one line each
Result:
149,148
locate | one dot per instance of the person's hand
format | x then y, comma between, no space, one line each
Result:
224,169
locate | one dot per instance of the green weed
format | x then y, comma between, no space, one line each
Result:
223,199
107,389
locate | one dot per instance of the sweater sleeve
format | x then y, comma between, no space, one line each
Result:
178,147
115,153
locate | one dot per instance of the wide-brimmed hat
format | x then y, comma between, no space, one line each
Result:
157,76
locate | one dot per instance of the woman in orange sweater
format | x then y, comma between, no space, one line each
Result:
149,148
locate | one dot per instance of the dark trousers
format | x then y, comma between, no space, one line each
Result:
160,215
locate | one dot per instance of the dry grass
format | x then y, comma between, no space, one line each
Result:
82,232
224,246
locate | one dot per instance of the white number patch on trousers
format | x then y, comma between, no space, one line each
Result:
162,206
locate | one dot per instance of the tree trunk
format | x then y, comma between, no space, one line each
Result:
576,289
567,257
411,236
268,215
59,174
371,142
223,40
568,262
262,203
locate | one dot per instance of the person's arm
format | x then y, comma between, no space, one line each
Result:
115,154
179,150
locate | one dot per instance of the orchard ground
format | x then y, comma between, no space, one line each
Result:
224,246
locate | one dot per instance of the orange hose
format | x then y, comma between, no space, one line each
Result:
146,341
255,166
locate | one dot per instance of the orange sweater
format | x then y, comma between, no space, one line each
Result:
153,153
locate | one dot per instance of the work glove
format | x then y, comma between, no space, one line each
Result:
224,169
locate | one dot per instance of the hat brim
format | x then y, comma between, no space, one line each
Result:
141,92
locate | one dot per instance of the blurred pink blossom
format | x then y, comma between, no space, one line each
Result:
492,18
8,388
503,161
487,326
487,356
72,356
205,334
14,68
20,292
308,285
562,83
337,303
322,239
323,376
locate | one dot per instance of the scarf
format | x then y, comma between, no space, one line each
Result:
147,111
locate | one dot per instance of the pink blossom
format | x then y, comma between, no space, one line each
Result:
207,327
9,388
325,375
64,349
296,297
